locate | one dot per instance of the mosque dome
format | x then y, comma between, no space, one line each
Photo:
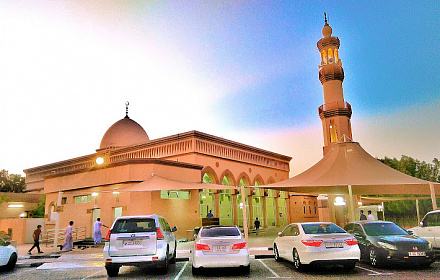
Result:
125,132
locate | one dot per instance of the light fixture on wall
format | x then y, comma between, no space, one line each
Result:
117,195
339,201
15,206
99,160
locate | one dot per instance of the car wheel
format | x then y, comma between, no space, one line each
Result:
276,253
374,258
425,264
297,261
246,269
12,261
195,271
164,267
173,258
112,270
349,266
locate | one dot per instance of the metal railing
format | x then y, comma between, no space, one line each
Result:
78,234
334,105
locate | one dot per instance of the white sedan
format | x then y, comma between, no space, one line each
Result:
220,246
8,255
316,243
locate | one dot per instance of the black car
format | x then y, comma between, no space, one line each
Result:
383,242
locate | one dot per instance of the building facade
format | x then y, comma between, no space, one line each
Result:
92,186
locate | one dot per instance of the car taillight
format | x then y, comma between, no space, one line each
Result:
310,242
351,241
159,233
203,247
107,237
238,246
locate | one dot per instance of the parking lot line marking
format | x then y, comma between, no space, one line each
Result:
268,268
374,272
99,271
181,271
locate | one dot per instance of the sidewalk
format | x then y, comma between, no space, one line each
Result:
260,246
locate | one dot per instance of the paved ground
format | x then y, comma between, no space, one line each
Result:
260,246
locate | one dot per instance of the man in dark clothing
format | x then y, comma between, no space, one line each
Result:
36,237
362,217
257,225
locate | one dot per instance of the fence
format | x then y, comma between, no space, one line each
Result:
78,234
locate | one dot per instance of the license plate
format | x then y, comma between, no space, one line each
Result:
334,245
417,254
132,242
219,248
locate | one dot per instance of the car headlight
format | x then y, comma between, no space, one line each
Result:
387,246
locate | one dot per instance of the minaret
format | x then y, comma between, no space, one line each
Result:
335,113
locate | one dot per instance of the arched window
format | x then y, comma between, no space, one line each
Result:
324,57
333,132
304,207
207,178
310,208
330,56
242,182
314,205
336,55
226,181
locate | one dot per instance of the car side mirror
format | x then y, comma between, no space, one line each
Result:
358,235
280,234
422,224
173,229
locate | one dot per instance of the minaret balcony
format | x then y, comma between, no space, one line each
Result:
337,108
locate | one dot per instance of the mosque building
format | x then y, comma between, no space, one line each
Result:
157,174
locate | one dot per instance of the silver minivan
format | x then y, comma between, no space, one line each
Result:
139,241
429,228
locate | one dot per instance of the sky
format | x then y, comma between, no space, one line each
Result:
246,71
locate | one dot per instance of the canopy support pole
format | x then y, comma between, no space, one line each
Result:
434,202
245,224
351,210
418,212
57,224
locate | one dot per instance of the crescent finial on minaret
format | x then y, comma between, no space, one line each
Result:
325,18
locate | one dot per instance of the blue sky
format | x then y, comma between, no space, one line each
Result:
242,70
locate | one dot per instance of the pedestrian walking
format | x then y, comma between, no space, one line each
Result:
68,239
370,216
36,237
362,216
257,225
210,215
97,235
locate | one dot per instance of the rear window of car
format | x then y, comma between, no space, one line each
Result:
219,231
134,225
320,228
377,229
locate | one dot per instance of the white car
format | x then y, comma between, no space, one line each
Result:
8,255
316,243
220,246
429,229
139,241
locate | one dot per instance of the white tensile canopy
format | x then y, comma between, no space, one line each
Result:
347,169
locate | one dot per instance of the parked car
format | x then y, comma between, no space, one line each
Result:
220,246
316,243
139,241
385,242
429,228
8,255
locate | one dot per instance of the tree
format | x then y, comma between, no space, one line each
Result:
11,182
415,168
39,212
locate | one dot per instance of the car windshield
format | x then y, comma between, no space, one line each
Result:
219,231
377,229
320,228
134,225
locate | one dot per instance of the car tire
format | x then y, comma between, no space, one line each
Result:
297,261
374,258
349,266
425,264
11,263
195,270
246,269
164,267
173,258
112,270
276,253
